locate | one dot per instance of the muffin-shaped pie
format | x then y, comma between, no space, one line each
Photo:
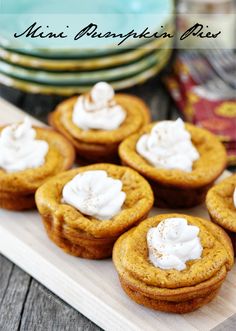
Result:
98,121
174,263
28,157
85,210
180,161
221,205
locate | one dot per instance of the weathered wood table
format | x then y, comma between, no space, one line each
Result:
24,303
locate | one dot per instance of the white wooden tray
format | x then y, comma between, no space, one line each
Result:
92,287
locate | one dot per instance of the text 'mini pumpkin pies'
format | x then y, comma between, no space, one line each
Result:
85,210
221,205
98,121
28,157
180,161
173,263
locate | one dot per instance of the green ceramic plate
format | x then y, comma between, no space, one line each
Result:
138,78
75,78
126,15
34,62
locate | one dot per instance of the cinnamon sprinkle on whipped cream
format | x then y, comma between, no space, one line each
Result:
98,109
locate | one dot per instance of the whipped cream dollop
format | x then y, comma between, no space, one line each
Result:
234,197
168,146
172,243
94,193
98,109
19,150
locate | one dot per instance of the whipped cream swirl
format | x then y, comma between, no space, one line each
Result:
94,193
19,150
234,197
98,110
168,146
172,243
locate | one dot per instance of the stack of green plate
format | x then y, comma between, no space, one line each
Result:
67,71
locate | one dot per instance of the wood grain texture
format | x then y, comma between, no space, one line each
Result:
27,305
13,300
5,273
228,325
47,312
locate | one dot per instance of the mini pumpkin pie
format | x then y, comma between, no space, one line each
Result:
221,205
180,161
98,121
174,263
85,210
29,156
